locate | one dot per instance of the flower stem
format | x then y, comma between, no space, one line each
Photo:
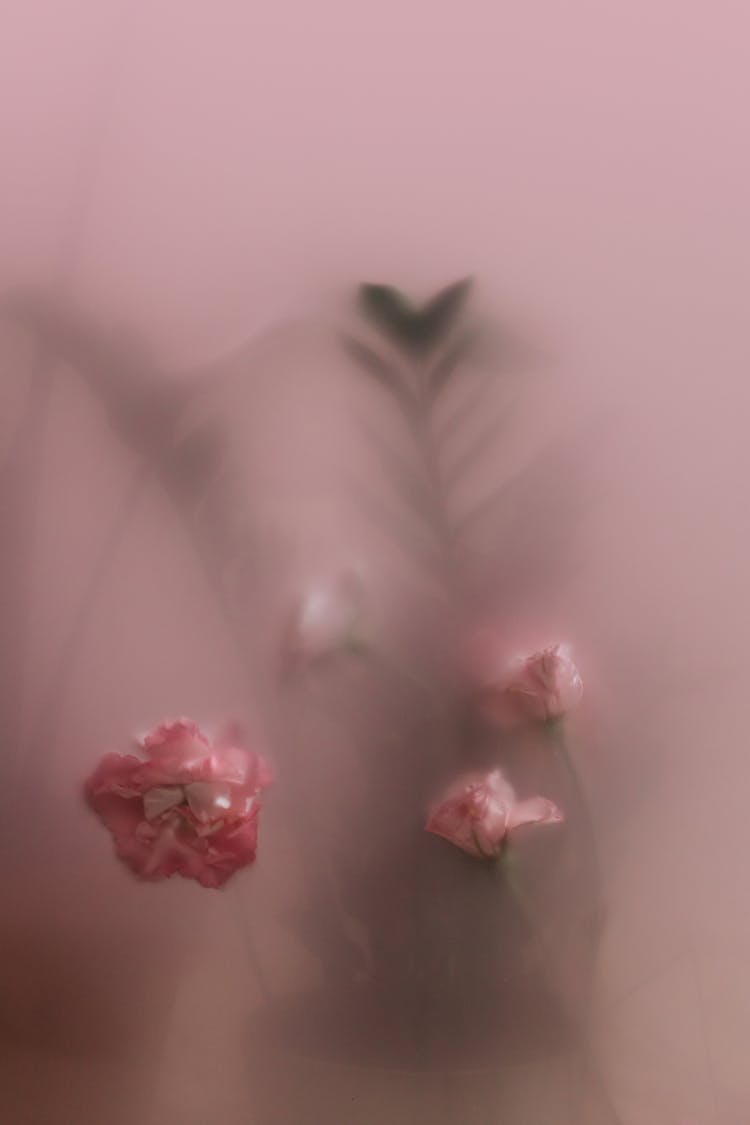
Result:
438,514
555,731
507,869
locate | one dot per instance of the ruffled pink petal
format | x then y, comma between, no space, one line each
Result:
479,810
121,815
136,853
547,684
189,809
178,752
451,822
177,849
534,810
569,683
499,789
216,800
229,851
240,767
542,686
488,836
116,774
263,774
161,799
473,814
176,733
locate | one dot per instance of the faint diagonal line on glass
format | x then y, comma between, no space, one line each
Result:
705,1032
389,377
26,447
505,493
52,703
644,982
483,443
448,363
414,539
408,479
448,429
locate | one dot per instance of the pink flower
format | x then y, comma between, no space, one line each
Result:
188,807
479,810
545,685
326,618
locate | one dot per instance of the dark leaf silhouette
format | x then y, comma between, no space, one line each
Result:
442,312
448,363
383,373
389,309
370,361
415,330
409,481
483,443
461,414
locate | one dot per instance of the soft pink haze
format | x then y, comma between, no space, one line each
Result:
207,183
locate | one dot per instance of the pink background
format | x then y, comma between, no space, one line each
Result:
231,168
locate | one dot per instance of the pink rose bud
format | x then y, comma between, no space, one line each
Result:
187,807
479,811
326,619
545,685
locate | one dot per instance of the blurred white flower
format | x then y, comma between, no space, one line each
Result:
326,619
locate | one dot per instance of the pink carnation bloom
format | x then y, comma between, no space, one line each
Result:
543,686
479,810
188,807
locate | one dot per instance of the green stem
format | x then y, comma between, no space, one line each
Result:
555,731
423,433
506,869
